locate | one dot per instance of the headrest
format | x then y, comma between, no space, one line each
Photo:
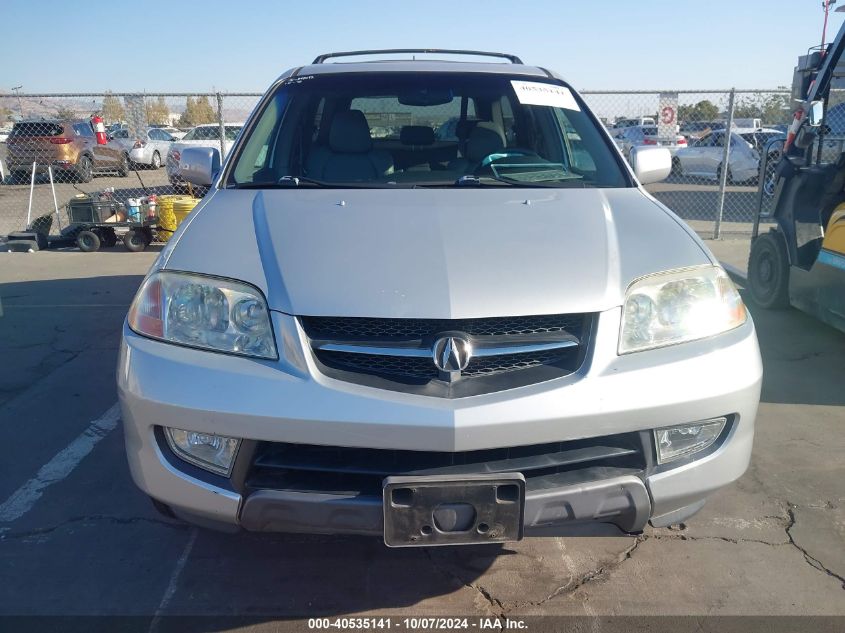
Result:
416,135
350,133
487,138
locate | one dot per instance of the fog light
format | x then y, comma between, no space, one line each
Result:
206,450
675,442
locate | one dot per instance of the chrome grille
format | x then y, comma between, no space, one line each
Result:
400,351
375,329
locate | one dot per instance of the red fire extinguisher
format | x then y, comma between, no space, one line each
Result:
99,129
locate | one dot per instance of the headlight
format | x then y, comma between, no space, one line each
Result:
676,307
215,453
205,312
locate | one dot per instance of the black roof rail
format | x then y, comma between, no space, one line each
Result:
322,58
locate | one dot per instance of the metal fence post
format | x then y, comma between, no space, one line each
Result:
726,156
222,126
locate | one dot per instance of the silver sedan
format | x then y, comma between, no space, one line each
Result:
148,148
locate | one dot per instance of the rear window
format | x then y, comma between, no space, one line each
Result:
37,128
650,131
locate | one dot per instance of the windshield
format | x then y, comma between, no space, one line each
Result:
211,133
414,129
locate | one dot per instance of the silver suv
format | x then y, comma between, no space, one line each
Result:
434,338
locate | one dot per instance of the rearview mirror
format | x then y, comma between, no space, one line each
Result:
199,165
816,113
651,164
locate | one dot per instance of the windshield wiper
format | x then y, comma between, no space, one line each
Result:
475,181
283,183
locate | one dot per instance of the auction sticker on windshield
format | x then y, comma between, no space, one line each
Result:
536,93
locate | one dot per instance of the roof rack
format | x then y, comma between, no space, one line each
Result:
322,58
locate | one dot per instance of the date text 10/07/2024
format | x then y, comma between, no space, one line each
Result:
417,624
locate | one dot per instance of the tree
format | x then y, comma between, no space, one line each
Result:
702,111
204,111
157,112
5,114
112,109
197,111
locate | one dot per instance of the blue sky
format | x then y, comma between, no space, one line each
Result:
153,45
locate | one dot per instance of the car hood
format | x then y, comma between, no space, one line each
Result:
435,253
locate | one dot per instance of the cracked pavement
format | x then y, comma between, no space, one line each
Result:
772,543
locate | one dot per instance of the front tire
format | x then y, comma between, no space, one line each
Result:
156,162
135,241
730,179
88,241
768,272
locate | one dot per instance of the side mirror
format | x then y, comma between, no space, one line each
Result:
199,165
816,113
651,164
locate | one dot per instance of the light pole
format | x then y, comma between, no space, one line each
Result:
17,91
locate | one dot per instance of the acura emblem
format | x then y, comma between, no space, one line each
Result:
451,353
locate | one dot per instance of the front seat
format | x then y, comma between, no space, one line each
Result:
486,138
350,155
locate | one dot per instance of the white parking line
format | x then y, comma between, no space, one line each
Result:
174,580
59,467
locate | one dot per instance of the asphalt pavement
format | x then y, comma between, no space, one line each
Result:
77,537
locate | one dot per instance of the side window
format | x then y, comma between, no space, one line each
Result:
156,134
83,129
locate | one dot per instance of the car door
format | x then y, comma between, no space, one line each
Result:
102,159
712,153
691,161
107,156
160,141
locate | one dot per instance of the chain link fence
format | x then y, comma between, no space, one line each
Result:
147,131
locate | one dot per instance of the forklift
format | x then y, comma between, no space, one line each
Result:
800,261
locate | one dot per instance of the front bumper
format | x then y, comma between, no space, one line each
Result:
290,401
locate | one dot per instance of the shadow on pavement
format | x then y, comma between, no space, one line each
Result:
803,358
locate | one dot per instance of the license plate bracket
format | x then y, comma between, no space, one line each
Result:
449,510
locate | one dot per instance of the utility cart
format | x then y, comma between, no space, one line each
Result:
99,221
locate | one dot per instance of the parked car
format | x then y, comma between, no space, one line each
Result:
4,133
693,130
622,124
645,135
175,132
703,158
70,147
506,339
200,136
149,148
